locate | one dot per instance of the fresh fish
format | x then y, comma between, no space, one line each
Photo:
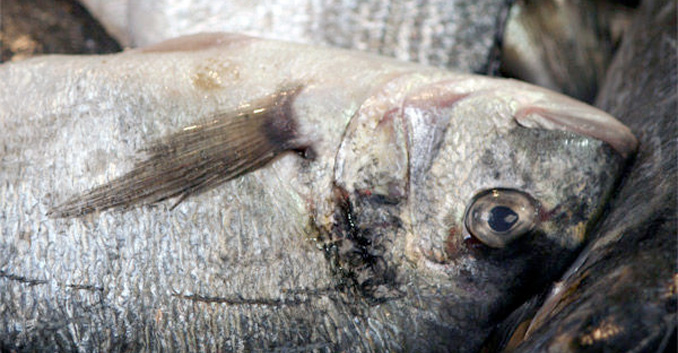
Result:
36,27
561,45
621,294
317,199
458,34
564,45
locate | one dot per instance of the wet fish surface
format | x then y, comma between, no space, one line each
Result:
621,293
459,34
563,45
221,192
50,26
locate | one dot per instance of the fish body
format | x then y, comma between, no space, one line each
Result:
561,45
620,294
354,202
456,34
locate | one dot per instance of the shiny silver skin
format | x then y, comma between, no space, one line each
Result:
457,34
361,248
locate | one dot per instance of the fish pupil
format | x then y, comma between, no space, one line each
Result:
502,218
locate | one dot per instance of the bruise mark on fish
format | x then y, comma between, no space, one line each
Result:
214,72
292,298
21,279
201,157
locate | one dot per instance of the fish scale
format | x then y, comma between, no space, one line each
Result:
361,247
443,33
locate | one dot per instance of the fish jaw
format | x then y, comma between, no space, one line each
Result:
410,167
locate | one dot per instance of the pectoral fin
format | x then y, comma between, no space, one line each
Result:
199,157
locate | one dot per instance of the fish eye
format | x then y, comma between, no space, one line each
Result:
497,217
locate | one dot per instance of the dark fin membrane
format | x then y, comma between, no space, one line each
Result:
200,157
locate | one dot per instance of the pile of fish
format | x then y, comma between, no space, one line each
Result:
227,193
322,198
564,45
443,33
622,292
30,28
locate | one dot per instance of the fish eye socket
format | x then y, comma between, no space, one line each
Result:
497,217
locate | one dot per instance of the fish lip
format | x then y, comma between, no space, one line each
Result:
559,112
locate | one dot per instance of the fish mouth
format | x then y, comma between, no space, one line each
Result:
559,112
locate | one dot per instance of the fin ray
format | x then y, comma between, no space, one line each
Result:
199,157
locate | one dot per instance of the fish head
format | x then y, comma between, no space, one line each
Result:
471,191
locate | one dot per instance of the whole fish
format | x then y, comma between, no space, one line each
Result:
458,34
219,192
621,294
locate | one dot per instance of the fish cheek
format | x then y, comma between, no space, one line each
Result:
506,161
569,176
517,272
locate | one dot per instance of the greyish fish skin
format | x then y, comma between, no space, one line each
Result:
457,34
50,27
362,245
563,45
622,292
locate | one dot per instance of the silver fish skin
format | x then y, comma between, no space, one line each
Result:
457,34
622,292
427,203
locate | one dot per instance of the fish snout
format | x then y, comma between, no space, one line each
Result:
554,111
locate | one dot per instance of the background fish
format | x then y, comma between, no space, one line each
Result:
427,206
35,27
443,33
565,45
621,294
562,45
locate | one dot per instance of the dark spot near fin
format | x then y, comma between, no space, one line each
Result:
200,157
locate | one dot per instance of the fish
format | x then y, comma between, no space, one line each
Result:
458,34
47,26
223,192
569,52
561,45
565,46
621,292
